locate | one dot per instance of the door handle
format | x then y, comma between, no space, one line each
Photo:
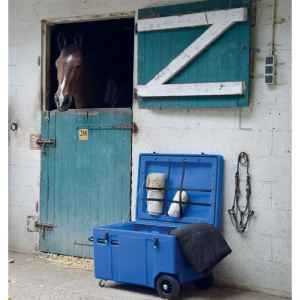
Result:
100,241
115,242
103,240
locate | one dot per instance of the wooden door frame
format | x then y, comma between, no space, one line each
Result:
44,61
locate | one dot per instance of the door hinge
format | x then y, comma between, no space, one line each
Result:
35,225
44,226
130,126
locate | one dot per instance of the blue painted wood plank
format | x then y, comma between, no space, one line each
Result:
227,59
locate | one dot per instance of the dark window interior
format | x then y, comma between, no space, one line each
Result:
109,46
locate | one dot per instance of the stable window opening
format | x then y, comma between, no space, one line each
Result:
90,65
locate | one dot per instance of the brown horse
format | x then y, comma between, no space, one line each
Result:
79,82
75,84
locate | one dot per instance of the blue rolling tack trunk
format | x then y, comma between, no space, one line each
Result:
144,252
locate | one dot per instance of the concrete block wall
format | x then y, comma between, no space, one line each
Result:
261,258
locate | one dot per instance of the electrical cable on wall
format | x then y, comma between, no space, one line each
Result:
240,217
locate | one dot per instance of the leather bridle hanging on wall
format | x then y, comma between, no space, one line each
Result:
240,216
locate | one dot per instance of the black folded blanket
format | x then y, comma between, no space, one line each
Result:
202,245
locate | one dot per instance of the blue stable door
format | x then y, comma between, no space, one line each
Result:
86,176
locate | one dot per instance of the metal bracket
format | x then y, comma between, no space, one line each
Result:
34,225
46,142
253,13
130,126
135,94
33,142
38,143
43,227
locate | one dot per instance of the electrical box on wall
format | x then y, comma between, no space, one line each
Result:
270,70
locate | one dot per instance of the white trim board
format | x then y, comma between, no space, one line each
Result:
192,20
220,21
193,89
194,49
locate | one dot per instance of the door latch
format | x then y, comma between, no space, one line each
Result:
35,225
46,142
155,243
38,143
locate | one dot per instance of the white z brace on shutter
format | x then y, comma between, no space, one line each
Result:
220,21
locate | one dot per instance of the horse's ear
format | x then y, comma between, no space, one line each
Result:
61,41
78,40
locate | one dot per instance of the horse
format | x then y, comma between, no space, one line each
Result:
79,82
69,73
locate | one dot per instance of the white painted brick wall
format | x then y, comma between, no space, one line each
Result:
261,258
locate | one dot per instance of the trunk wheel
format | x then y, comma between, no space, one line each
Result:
102,283
167,287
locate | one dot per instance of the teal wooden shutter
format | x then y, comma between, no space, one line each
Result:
227,59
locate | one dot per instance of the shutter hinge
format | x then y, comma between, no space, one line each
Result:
253,51
135,94
253,13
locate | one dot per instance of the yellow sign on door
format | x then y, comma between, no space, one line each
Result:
83,134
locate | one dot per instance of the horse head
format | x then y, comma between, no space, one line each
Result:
69,71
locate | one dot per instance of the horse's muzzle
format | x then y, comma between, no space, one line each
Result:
65,105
